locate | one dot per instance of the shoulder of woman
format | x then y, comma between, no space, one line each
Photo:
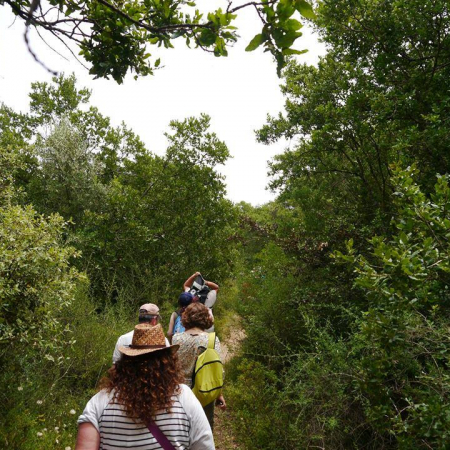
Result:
95,407
186,395
103,396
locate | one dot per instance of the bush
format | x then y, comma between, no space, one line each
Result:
404,350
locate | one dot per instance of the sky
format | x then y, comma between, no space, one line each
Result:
237,92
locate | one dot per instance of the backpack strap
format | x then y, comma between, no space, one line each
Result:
212,340
160,436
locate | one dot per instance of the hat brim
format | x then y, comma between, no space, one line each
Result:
126,350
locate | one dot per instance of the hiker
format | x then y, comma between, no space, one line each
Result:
203,291
175,323
193,342
148,313
143,403
210,298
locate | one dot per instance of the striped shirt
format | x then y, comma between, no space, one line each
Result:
185,425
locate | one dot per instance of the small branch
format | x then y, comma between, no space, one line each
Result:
49,46
255,4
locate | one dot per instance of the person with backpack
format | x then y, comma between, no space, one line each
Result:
143,402
203,291
195,344
175,323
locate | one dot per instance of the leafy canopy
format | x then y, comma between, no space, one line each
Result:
113,36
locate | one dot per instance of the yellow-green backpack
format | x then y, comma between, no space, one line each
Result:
207,380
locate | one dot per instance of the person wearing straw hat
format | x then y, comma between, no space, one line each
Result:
148,313
143,403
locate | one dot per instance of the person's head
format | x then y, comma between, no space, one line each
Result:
197,315
147,375
184,300
149,313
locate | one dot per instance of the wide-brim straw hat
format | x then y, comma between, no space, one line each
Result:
147,339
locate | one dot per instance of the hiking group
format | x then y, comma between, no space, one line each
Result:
161,391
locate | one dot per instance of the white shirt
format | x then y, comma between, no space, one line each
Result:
185,426
125,339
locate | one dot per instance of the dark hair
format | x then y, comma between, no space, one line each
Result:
197,315
144,385
146,318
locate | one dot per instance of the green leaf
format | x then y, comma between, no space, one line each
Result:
158,62
292,25
291,51
255,42
285,9
285,40
207,37
305,9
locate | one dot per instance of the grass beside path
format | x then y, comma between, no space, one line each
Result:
223,430
231,341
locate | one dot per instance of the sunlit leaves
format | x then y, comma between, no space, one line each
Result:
305,9
255,42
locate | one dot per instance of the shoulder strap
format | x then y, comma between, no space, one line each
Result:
212,340
160,436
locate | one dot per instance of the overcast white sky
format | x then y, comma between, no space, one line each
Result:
237,92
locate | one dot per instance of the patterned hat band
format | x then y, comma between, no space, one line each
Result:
145,346
146,339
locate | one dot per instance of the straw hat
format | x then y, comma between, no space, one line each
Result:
147,339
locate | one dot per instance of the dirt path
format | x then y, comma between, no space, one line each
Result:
223,430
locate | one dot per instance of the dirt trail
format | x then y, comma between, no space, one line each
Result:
223,431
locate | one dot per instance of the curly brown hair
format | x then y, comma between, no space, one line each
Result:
197,315
144,385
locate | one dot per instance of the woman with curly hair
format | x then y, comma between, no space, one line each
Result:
143,403
196,319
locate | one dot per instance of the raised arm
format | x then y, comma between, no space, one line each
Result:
211,285
188,283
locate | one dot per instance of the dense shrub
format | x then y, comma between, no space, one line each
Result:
383,384
403,333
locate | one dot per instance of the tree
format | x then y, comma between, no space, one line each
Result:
67,179
163,215
355,364
113,35
139,219
371,101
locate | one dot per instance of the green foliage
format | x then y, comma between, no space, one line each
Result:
67,181
42,398
360,350
252,394
36,280
140,220
360,110
355,368
37,286
78,195
404,362
114,37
